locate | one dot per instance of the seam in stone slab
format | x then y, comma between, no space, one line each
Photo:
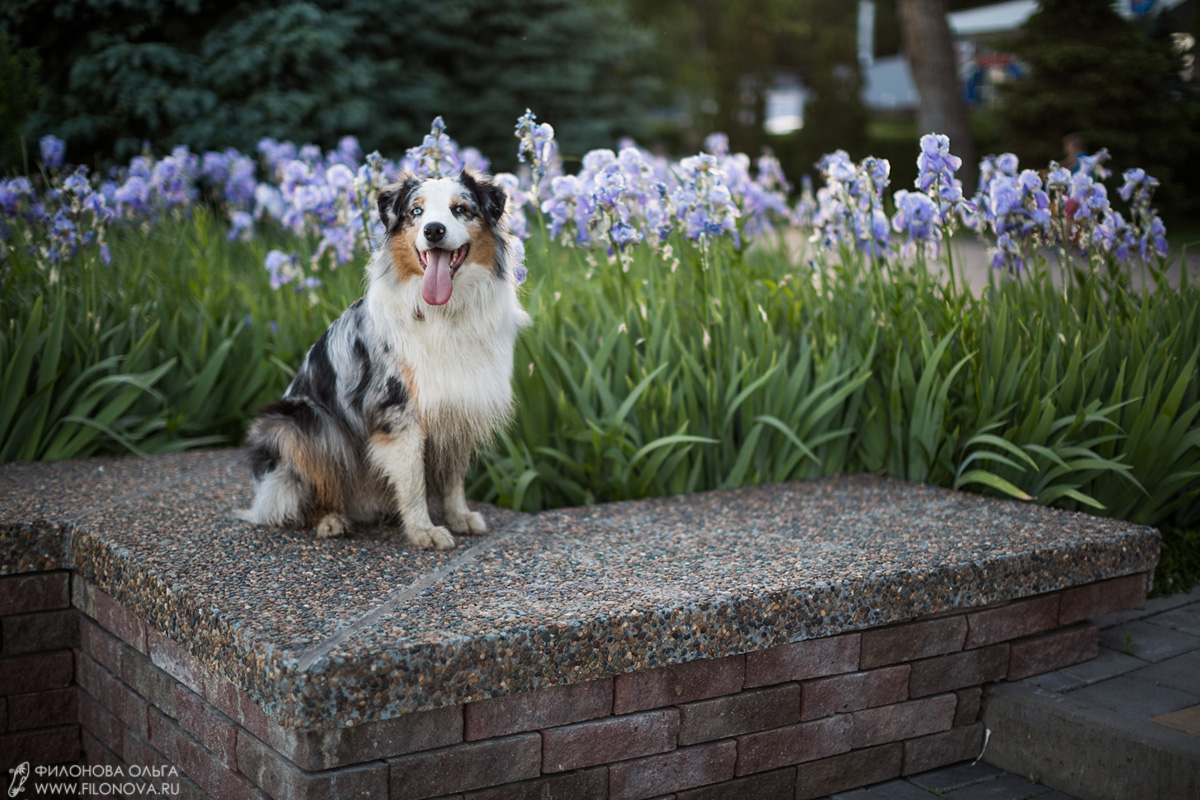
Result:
401,596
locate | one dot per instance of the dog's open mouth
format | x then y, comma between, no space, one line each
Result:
440,265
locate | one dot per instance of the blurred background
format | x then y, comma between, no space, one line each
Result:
802,77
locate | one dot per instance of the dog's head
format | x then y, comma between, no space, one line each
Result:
438,228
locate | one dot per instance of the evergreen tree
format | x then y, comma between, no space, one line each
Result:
1116,84
210,75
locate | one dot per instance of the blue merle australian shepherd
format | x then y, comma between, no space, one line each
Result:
392,400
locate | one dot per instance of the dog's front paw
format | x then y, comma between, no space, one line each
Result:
471,523
332,525
431,538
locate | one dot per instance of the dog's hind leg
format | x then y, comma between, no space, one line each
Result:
400,457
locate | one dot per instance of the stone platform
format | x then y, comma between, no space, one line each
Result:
774,636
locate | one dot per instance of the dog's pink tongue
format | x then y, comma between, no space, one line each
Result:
435,286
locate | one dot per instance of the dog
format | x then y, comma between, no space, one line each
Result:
396,395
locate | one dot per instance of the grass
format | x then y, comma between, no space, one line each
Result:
710,368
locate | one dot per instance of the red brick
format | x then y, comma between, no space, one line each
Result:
887,724
475,765
543,708
586,744
174,660
1022,618
685,768
582,785
36,673
942,749
120,621
824,697
208,726
1054,650
196,762
43,709
959,670
46,746
1105,597
767,785
679,683
101,723
795,744
848,771
970,701
279,777
44,591
326,748
114,695
40,631
83,596
913,640
237,705
101,645
745,712
136,750
156,686
813,658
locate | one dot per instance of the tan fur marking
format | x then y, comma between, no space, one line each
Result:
404,255
410,379
320,473
483,245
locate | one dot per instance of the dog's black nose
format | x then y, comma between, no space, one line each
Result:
434,232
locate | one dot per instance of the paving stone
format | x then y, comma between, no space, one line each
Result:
956,776
1108,664
1056,682
1147,641
1005,786
898,790
1181,672
1185,619
1151,607
1135,698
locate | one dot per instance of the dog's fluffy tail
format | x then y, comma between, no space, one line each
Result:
300,461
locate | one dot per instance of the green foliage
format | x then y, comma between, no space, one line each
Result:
1093,73
214,75
18,98
708,369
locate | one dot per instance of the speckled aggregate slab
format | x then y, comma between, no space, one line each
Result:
334,632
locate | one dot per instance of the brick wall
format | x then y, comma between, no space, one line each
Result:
803,720
39,719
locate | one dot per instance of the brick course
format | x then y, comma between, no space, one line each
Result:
543,708
813,658
858,690
913,640
681,683
751,710
807,719
21,594
587,744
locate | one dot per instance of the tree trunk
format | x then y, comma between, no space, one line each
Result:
934,61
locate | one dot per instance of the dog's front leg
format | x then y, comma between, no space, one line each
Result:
459,515
401,459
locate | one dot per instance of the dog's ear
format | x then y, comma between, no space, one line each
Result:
490,196
393,199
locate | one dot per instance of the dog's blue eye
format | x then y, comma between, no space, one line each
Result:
460,210
416,212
